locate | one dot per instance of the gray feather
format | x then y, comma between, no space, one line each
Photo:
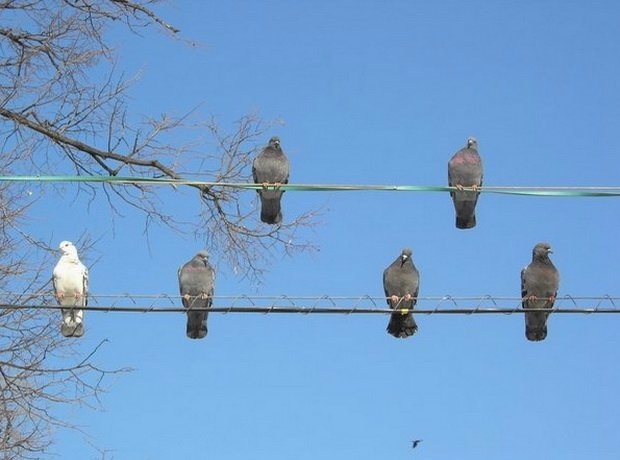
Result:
465,169
197,280
271,167
400,279
539,287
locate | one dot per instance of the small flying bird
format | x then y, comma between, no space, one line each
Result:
70,281
539,288
415,443
196,284
465,170
401,283
271,167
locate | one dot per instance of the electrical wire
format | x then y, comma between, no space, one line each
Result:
347,305
505,190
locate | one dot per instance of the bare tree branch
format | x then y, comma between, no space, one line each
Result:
64,110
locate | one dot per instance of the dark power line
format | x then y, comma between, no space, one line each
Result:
347,305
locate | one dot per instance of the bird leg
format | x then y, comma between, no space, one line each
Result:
275,185
459,187
203,296
60,295
408,297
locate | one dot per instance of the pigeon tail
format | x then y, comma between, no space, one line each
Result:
402,326
465,214
466,222
196,325
270,212
536,334
536,326
72,329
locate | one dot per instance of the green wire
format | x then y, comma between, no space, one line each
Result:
530,191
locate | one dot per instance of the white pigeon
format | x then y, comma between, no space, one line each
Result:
70,279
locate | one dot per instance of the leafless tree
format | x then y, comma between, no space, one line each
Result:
54,109
65,110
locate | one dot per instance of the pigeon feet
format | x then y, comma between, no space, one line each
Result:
473,187
275,185
60,295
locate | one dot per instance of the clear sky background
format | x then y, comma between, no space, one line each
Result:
373,92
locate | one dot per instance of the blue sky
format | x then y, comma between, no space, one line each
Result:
376,93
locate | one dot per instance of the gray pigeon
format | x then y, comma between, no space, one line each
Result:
539,288
465,170
401,283
271,167
70,280
196,283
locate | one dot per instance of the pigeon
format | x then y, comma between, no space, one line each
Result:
465,170
271,167
196,283
415,443
539,288
70,280
401,283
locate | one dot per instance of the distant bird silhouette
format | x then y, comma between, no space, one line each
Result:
415,443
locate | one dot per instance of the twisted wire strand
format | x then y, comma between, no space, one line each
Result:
325,304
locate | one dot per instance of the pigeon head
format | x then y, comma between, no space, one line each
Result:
406,254
67,248
274,142
541,251
203,256
472,143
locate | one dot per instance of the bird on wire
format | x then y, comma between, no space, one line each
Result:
539,288
465,170
401,283
70,281
271,167
196,285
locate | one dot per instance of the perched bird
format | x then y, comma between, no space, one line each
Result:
70,280
271,167
465,170
415,443
539,288
401,283
196,283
